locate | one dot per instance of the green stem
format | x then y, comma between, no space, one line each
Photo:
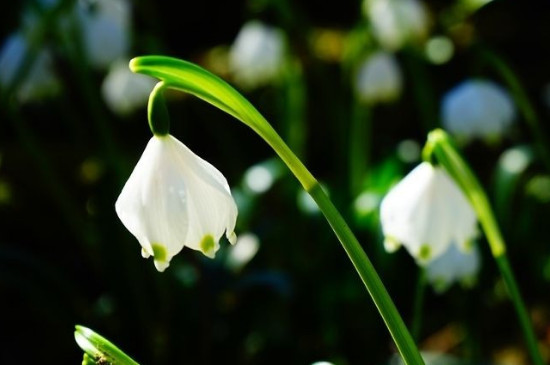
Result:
523,103
440,144
521,310
190,78
159,121
293,106
423,92
419,296
370,278
359,143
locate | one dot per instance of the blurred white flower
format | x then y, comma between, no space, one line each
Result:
39,81
477,108
105,30
256,56
173,199
396,22
453,265
379,79
427,212
243,251
123,90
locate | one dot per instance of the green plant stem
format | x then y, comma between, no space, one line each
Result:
419,296
190,78
370,278
440,145
521,310
293,106
359,145
526,108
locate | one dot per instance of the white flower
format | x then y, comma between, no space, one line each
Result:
256,56
173,199
453,265
124,90
379,79
396,22
39,81
427,212
105,30
477,108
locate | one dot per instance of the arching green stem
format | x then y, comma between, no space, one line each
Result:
190,78
440,145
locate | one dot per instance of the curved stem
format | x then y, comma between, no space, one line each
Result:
190,78
440,144
524,104
370,278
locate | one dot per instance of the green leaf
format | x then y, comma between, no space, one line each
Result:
98,349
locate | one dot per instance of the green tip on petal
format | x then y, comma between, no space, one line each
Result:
425,252
160,256
208,245
159,252
391,244
231,237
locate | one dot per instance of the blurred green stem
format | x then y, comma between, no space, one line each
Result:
293,106
524,104
84,80
441,145
47,176
359,145
422,87
190,78
419,296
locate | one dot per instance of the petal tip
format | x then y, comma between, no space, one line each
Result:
161,265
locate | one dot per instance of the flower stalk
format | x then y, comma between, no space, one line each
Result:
187,77
440,145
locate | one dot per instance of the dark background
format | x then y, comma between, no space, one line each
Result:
66,259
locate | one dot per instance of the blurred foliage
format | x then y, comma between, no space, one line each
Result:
65,258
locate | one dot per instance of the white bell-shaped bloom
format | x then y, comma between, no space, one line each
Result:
123,90
174,199
395,22
452,266
256,56
40,80
427,212
477,108
379,79
105,30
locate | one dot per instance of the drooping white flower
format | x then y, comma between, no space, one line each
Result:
452,266
477,108
174,199
256,56
39,81
124,90
396,22
105,30
379,79
427,212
